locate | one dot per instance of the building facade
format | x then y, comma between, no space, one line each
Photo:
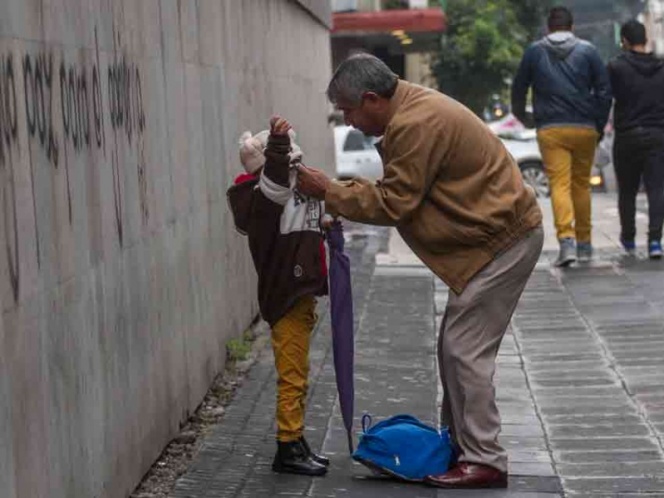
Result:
402,35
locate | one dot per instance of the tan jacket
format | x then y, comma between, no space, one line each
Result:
450,187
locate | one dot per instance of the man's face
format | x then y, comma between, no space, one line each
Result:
364,116
560,28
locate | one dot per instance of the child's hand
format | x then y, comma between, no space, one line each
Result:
279,126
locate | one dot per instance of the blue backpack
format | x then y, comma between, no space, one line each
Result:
404,447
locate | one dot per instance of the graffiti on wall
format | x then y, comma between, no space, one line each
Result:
39,88
8,143
127,118
64,108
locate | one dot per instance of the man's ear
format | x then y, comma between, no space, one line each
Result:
371,96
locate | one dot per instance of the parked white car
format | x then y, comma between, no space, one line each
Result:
356,154
525,151
508,124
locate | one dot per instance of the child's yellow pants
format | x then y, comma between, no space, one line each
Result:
290,343
568,154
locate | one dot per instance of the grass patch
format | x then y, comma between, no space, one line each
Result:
239,348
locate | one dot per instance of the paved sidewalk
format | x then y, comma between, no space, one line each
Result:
593,341
580,382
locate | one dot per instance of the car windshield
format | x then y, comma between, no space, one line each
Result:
357,141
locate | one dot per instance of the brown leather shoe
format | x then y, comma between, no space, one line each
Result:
469,475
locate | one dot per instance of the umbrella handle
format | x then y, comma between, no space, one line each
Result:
366,422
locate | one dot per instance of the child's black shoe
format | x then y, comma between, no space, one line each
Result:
292,458
316,458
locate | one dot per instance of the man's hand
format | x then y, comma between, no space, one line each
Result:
312,182
279,126
328,221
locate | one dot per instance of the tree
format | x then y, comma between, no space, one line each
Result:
531,14
480,50
485,39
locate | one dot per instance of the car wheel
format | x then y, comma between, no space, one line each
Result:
534,175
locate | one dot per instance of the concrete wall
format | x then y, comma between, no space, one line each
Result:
121,276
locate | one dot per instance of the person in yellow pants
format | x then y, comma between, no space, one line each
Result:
568,154
571,103
286,242
290,343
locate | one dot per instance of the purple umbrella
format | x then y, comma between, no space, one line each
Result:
341,314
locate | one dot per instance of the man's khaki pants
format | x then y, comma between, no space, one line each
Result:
473,327
568,154
291,336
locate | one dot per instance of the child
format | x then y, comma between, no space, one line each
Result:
286,243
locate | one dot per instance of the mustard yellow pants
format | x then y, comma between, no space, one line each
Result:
568,154
290,343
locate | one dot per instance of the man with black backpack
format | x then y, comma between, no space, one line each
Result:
571,101
637,78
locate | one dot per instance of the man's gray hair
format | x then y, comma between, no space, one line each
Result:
358,74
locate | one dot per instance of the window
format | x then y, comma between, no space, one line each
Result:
344,5
357,141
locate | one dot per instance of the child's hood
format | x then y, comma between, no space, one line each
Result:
240,198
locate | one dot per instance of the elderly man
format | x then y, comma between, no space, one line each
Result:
457,198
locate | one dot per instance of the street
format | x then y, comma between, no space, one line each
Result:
580,379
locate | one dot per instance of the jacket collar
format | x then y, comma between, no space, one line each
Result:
396,101
398,98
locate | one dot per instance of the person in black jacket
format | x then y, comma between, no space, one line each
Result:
637,79
571,100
